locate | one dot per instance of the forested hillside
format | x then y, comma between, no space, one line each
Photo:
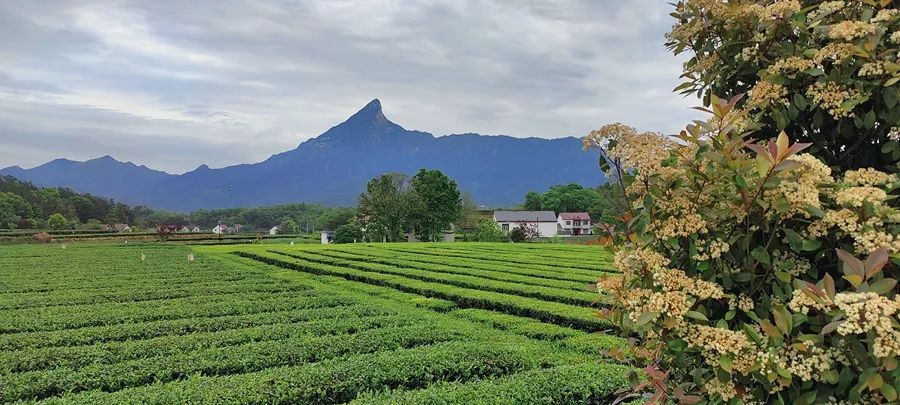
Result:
25,206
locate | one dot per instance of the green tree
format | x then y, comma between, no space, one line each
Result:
437,204
490,231
289,226
385,206
348,233
533,201
826,73
518,235
571,198
57,221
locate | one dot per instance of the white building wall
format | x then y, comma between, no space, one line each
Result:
544,228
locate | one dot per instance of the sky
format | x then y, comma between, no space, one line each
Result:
176,84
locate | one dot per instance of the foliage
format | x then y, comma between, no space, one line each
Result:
533,201
741,274
437,204
517,235
385,207
826,72
288,226
57,221
251,332
25,205
348,233
471,218
490,231
573,198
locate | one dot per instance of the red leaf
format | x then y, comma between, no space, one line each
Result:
876,261
852,265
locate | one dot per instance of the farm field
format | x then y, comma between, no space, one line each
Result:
267,323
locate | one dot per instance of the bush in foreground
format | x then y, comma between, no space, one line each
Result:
751,273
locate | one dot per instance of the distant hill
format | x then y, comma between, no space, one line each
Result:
334,167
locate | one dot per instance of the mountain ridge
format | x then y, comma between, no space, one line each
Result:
333,168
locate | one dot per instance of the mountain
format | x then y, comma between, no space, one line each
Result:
334,167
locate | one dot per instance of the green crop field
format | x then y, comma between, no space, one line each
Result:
382,323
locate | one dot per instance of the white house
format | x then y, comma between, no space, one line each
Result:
575,223
273,230
221,229
327,237
543,221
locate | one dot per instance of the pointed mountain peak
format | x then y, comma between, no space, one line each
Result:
367,123
370,113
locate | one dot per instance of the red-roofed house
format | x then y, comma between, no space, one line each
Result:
574,223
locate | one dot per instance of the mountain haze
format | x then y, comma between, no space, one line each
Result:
334,167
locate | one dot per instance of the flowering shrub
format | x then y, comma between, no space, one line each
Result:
826,72
750,271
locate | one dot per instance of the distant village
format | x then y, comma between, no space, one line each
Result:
543,224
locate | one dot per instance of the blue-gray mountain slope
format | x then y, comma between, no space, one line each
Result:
334,167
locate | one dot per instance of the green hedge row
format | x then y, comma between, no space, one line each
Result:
553,312
116,352
512,258
138,294
587,383
215,361
450,267
170,327
482,263
583,298
32,320
341,380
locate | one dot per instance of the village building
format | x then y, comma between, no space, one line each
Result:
545,222
122,228
575,223
273,230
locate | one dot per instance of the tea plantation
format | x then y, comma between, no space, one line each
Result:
382,323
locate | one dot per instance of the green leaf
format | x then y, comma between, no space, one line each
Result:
646,317
741,182
743,277
890,97
811,244
761,254
783,276
793,238
815,211
869,120
814,72
696,315
800,101
883,286
725,362
874,381
889,392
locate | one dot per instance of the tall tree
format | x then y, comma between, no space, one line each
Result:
533,201
385,206
437,204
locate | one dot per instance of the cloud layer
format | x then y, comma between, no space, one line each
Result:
173,84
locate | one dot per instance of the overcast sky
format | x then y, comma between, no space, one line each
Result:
175,84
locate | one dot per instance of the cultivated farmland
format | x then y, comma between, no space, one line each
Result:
391,323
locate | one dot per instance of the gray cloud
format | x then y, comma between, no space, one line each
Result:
173,84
